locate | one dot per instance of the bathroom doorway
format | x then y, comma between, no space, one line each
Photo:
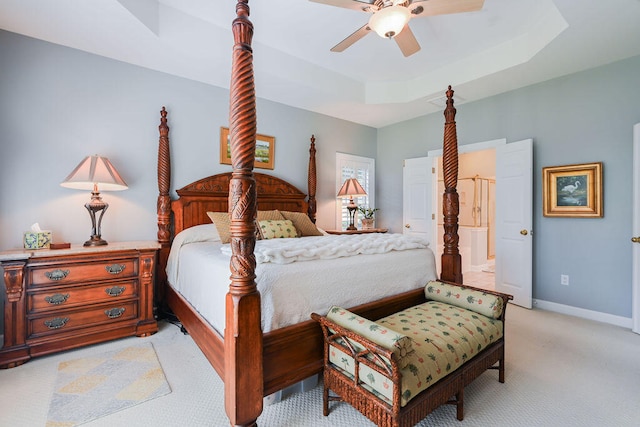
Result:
476,221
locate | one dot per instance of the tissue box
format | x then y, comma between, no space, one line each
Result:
37,239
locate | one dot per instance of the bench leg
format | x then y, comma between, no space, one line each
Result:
325,400
460,405
501,370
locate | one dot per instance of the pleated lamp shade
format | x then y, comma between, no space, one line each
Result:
351,188
95,170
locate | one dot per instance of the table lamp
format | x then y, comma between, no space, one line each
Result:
92,172
351,188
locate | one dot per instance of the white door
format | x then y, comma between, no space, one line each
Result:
636,231
416,197
514,222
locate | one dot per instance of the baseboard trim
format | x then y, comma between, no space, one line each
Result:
598,316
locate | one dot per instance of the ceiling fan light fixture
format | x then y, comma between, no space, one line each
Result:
389,21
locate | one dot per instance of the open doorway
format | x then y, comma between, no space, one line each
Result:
513,215
476,221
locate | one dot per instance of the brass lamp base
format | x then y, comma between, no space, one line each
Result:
351,207
95,241
96,205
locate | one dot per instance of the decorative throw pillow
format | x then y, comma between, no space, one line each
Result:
481,302
401,345
277,229
222,223
302,223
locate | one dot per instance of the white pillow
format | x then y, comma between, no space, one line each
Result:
198,233
323,231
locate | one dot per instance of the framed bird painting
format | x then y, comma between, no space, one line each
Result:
572,191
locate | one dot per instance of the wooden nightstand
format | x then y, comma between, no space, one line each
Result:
61,299
370,230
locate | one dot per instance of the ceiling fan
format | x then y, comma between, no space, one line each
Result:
390,18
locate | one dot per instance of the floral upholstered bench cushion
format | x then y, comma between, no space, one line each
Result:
443,338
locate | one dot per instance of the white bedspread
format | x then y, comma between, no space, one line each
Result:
199,271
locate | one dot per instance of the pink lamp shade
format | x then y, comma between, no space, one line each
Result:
95,170
351,188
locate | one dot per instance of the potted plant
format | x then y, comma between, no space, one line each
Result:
368,215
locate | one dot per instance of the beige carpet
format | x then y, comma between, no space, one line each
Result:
561,371
95,386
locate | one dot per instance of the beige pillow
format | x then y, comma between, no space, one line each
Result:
222,223
302,223
272,215
277,229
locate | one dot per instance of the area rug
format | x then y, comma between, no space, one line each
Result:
92,387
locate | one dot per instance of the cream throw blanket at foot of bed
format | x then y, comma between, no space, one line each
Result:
285,251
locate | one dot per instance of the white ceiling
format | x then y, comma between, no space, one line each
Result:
507,45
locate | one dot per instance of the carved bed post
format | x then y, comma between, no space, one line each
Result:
163,207
243,373
451,260
311,180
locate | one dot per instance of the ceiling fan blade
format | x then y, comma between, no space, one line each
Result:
357,35
442,7
360,5
407,41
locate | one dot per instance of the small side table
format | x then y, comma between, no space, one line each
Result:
370,230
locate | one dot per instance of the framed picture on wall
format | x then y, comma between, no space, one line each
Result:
573,190
265,150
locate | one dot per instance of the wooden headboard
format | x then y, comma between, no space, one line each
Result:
212,194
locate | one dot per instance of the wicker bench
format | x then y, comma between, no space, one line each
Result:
400,368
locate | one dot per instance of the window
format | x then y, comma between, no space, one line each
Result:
364,170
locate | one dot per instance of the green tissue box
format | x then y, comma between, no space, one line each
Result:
37,239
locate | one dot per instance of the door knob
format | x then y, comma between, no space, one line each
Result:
407,226
635,239
524,232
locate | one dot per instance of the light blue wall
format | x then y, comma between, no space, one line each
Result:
582,118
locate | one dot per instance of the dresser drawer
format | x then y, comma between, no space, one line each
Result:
72,320
64,297
82,272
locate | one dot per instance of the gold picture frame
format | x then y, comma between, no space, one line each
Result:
265,150
573,191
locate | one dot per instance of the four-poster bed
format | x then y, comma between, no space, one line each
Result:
253,364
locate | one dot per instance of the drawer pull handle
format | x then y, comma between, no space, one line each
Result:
114,313
115,291
56,322
115,268
56,275
56,299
